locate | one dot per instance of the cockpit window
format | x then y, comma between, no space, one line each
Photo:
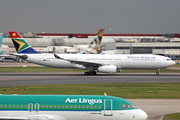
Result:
128,106
124,106
168,59
133,106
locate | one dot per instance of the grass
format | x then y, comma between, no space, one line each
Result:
124,90
49,69
174,116
176,65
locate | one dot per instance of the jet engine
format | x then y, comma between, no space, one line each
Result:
108,69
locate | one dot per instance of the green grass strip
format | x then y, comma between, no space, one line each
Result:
124,90
174,116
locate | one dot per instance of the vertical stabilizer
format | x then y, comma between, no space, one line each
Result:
96,43
20,44
1,39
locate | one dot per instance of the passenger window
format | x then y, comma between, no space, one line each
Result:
75,107
59,106
25,106
95,107
13,106
17,106
91,107
5,106
99,107
9,106
50,106
1,106
124,106
87,107
54,106
79,107
63,106
46,106
21,106
42,106
67,106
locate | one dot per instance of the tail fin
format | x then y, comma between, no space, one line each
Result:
95,44
1,39
20,44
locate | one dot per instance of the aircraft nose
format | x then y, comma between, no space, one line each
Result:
144,116
173,63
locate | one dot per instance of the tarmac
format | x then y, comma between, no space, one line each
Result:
157,108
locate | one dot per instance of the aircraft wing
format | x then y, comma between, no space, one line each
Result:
23,118
80,62
13,118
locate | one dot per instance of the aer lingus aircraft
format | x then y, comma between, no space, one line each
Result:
104,63
68,107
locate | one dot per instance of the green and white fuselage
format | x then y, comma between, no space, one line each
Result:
68,107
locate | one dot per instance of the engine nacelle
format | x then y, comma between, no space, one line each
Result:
108,69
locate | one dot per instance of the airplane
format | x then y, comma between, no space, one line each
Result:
68,107
104,63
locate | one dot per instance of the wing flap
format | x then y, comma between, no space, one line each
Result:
80,62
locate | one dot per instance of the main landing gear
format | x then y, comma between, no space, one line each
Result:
90,73
157,73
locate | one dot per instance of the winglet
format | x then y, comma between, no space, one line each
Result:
56,56
105,94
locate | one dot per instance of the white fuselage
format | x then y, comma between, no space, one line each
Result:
129,61
136,114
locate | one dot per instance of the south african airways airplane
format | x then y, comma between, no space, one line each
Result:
68,107
104,63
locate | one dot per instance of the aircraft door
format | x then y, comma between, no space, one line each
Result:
108,107
159,60
42,58
30,107
36,107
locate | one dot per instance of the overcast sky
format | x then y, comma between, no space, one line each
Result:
88,16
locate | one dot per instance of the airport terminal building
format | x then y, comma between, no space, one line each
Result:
162,44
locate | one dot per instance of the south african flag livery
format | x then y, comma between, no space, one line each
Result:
20,44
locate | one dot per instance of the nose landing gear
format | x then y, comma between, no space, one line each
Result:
157,73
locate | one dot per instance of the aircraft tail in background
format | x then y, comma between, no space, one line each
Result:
20,44
1,39
96,43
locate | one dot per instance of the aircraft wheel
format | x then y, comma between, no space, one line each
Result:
94,73
91,73
157,73
85,73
